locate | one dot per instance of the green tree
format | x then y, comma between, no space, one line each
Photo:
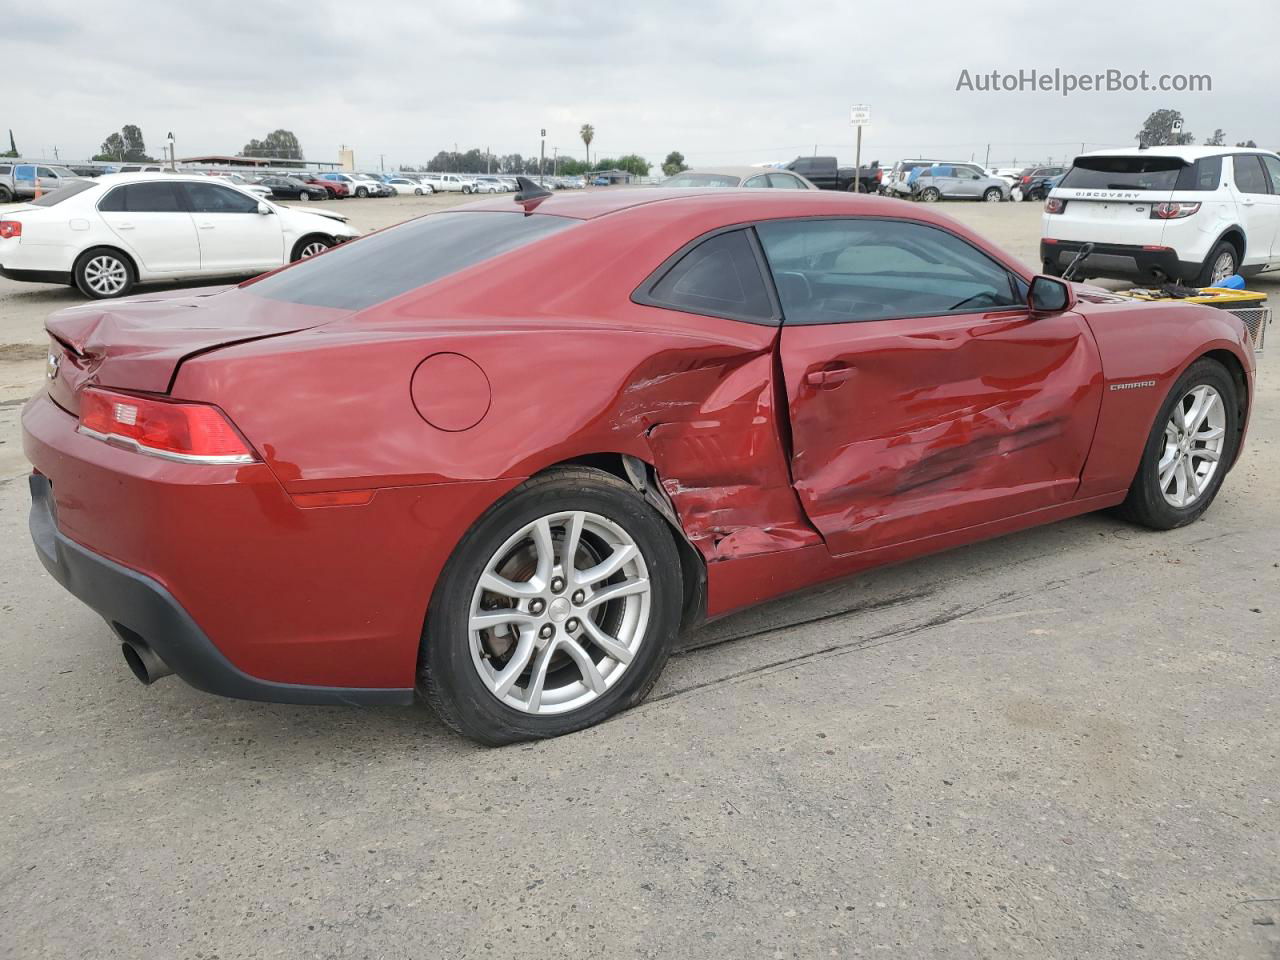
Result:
587,133
127,146
277,143
572,167
634,164
674,163
1217,140
13,147
604,163
1242,143
1157,130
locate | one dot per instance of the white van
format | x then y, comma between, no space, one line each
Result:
1195,215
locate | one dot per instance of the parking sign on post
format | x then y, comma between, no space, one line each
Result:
859,116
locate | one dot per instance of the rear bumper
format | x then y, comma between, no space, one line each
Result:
1121,261
140,605
36,276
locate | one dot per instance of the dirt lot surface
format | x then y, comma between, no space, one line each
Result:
1059,744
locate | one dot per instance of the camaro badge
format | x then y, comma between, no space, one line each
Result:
51,367
1133,385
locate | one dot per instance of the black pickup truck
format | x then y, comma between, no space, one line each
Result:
826,174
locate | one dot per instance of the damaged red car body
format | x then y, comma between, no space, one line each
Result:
504,454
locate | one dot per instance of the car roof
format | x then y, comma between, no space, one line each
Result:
1187,152
735,201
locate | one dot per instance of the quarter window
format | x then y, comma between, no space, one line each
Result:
1273,168
720,277
785,181
844,271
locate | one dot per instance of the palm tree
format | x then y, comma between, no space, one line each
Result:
587,133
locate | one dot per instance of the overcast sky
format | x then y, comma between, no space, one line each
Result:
745,82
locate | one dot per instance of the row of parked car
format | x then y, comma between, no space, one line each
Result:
933,180
303,185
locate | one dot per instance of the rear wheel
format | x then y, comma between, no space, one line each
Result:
1188,451
102,273
557,610
1223,261
303,195
930,194
466,189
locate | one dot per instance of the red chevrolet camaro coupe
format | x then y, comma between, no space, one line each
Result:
502,455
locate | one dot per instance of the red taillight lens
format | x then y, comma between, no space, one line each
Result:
1026,179
190,432
10,229
1054,205
1173,210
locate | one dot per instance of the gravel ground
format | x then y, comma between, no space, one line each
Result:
1061,743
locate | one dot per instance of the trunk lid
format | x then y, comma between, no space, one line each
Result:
139,343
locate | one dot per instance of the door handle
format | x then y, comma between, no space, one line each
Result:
828,378
124,226
205,226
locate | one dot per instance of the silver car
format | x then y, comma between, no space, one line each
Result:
734,177
959,181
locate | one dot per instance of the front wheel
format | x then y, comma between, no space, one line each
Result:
993,195
103,273
361,192
557,610
304,195
309,247
1188,451
6,195
466,189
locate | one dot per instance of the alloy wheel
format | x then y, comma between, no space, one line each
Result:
1223,267
1194,439
559,613
105,275
312,248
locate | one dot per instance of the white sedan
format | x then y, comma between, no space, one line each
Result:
105,235
407,185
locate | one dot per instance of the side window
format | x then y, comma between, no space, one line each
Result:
758,182
1249,175
6,169
24,171
46,172
720,277
212,198
1273,168
802,166
113,202
151,198
785,181
844,271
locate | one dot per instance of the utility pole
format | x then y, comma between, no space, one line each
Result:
555,162
987,163
488,161
542,156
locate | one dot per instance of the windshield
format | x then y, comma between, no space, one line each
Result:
702,180
55,197
1143,173
385,264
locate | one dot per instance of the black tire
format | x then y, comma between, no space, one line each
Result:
6,195
1146,503
993,195
361,192
309,241
417,192
466,189
930,194
1225,248
447,676
303,195
94,290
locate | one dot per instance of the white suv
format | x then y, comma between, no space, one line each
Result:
1190,214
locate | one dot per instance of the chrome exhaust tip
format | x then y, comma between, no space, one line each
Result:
144,662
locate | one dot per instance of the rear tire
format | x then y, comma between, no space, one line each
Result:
1152,502
930,194
1223,257
303,195
104,273
461,669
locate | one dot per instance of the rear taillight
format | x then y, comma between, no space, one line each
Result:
10,229
188,432
1054,205
1173,210
1026,180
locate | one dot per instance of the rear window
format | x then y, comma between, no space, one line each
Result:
383,265
702,180
1143,173
65,192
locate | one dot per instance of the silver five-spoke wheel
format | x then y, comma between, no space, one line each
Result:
105,275
1193,445
312,248
559,613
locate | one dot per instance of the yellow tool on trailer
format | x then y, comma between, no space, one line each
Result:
1249,305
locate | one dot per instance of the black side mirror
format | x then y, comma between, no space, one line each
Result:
1049,295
